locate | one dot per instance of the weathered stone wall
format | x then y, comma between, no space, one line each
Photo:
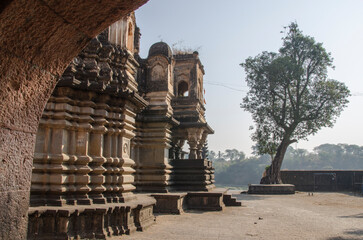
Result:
82,152
324,180
38,39
154,124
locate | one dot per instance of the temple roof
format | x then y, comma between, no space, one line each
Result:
160,48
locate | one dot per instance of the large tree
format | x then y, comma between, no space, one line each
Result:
290,96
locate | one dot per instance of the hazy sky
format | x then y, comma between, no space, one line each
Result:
227,32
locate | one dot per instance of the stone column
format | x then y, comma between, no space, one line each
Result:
116,122
83,159
125,178
194,136
71,200
179,148
96,152
54,173
172,151
135,152
201,144
154,168
109,173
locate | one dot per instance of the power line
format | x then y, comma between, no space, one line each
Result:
225,86
354,94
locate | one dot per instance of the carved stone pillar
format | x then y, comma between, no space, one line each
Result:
71,200
109,166
172,151
153,165
83,159
179,149
201,144
125,178
194,136
96,152
61,157
155,125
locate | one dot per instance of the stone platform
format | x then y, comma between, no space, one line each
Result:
205,201
271,189
172,203
95,221
177,202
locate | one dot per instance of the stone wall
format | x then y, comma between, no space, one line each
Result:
38,40
324,180
82,153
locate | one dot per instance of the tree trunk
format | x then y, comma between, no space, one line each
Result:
273,175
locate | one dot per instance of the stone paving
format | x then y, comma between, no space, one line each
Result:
329,216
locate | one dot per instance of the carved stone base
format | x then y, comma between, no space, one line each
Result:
192,175
152,187
271,189
206,201
171,203
96,221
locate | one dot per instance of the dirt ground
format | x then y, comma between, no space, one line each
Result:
329,216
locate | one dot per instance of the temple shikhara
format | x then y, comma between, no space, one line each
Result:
110,141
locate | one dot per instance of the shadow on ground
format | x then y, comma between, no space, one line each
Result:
357,234
360,215
249,197
354,194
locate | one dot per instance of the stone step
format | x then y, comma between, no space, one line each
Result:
230,201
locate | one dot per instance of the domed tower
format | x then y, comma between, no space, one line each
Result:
195,173
188,82
188,103
160,69
155,123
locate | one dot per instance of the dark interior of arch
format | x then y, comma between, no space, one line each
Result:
183,89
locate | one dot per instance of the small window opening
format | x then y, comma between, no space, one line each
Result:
183,89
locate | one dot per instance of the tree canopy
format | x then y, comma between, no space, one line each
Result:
290,95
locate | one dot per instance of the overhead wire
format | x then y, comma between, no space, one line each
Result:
229,86
225,86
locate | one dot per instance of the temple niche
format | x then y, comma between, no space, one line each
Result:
115,126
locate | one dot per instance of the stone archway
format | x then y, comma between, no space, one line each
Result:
37,41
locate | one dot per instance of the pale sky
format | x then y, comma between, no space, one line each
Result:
227,32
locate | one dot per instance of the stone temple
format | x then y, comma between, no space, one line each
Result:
111,136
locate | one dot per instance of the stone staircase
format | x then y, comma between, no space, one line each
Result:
230,201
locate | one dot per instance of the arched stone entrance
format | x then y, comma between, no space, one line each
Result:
37,41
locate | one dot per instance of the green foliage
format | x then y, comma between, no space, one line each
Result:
237,171
325,156
290,95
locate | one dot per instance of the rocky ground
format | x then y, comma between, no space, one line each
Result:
329,216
